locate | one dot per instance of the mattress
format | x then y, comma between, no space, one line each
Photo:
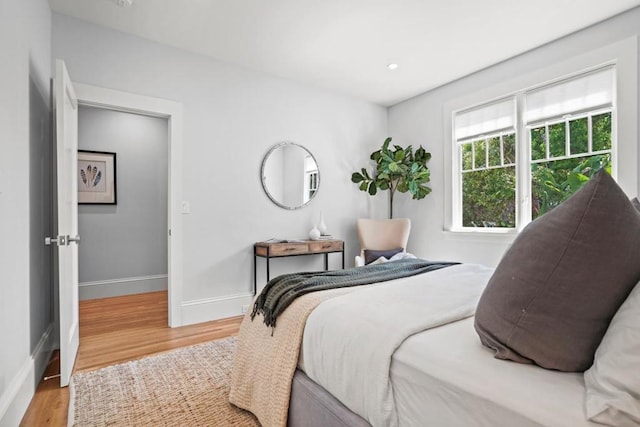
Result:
445,377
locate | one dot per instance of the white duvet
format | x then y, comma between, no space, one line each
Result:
349,340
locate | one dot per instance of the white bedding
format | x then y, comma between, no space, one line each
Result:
441,376
445,377
349,340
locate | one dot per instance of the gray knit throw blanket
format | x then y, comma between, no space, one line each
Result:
282,290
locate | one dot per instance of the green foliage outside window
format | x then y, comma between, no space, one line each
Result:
489,198
488,190
489,182
553,182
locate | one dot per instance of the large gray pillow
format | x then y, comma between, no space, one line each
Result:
556,289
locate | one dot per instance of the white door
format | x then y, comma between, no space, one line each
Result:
68,239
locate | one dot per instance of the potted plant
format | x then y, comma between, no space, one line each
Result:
397,169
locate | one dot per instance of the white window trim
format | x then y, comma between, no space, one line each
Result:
623,55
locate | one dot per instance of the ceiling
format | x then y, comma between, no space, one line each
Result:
346,45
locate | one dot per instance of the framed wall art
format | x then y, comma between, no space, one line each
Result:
96,178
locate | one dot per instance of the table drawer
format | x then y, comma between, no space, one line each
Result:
329,246
289,249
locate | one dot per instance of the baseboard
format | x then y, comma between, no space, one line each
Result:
205,310
123,286
17,396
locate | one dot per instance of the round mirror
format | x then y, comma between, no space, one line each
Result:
290,175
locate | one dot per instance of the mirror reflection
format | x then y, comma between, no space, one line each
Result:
290,175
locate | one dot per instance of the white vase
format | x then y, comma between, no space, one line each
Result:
314,234
322,227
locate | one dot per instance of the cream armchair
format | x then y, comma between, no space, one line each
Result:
382,234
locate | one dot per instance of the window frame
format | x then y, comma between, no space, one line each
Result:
453,179
482,87
523,214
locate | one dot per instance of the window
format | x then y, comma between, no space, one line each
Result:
486,142
543,144
564,154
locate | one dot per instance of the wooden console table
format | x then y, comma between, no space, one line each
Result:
270,250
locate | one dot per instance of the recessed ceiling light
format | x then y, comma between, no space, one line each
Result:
392,66
124,3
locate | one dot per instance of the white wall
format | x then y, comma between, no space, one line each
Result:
25,203
425,120
124,246
232,116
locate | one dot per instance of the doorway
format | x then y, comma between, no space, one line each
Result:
108,99
124,238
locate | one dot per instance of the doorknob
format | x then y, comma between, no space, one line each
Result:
73,239
60,241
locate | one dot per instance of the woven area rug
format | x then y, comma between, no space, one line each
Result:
186,387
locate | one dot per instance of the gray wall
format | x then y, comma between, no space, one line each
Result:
425,118
25,202
124,246
232,116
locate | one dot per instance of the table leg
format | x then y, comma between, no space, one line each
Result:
326,262
343,258
255,274
268,269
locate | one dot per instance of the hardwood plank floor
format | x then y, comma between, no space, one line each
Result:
116,330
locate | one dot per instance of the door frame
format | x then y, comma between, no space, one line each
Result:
110,99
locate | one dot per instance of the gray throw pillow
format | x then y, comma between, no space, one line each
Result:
372,255
551,298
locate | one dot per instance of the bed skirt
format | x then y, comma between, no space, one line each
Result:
313,406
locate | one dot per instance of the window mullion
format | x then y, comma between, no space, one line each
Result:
547,153
486,152
567,138
523,166
473,155
590,134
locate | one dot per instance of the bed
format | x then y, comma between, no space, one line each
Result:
441,376
422,349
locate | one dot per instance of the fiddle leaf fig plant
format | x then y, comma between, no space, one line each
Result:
397,169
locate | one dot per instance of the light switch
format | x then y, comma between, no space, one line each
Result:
186,207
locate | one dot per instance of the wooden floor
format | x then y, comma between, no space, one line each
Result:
116,330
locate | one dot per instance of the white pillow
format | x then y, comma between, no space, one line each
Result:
402,255
399,255
612,384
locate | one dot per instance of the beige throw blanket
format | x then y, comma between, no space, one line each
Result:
264,364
